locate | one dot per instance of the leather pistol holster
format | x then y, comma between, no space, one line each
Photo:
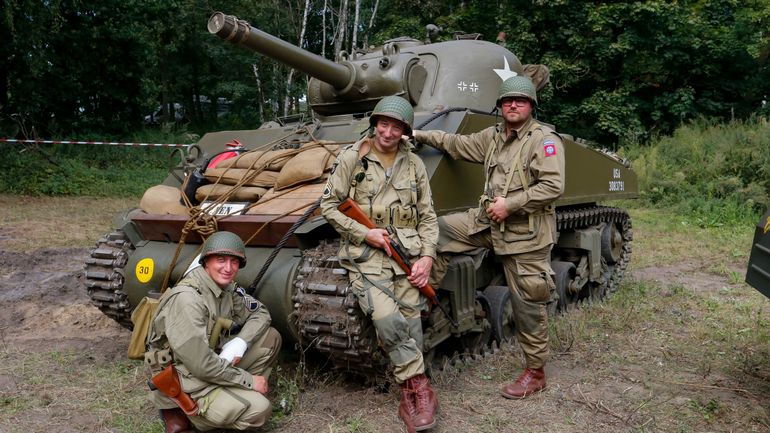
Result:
167,382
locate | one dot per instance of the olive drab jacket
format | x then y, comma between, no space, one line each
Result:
184,322
527,168
401,199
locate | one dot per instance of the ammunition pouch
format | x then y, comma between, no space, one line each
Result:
158,359
397,216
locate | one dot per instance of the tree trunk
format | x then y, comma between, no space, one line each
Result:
301,42
343,23
354,42
371,23
261,99
323,30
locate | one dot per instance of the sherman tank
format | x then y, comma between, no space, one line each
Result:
237,181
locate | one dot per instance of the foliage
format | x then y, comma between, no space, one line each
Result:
92,170
72,67
714,171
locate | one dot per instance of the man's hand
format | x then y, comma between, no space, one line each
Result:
497,211
421,271
378,239
260,384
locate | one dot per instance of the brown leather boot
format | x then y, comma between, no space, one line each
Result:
425,402
531,381
406,408
175,421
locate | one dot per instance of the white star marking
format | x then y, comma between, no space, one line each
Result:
506,73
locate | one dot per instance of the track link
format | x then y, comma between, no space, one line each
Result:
104,276
328,315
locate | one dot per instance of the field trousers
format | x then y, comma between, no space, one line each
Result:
529,277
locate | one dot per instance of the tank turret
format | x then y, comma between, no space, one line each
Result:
421,73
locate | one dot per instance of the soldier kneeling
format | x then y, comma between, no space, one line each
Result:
217,389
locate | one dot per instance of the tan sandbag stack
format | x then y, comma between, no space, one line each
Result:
163,199
262,170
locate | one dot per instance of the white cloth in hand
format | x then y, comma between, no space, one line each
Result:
234,348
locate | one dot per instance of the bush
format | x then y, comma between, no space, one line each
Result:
716,172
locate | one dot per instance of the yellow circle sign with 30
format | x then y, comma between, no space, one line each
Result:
144,270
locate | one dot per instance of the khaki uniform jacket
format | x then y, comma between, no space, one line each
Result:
541,154
403,199
184,321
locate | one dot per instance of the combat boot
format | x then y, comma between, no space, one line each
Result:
425,402
531,381
406,408
175,421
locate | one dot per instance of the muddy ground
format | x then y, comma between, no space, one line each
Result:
646,387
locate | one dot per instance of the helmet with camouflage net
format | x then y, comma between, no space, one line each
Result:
226,244
517,86
394,107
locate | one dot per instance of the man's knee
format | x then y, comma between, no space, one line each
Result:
393,331
232,408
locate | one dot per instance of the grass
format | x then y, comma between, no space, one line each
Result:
681,347
31,223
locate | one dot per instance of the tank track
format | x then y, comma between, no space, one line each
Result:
330,321
584,217
104,276
328,315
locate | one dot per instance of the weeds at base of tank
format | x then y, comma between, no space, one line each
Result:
286,396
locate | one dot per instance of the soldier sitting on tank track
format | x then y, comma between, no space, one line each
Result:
524,167
388,181
219,389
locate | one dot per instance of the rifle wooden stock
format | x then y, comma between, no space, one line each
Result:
167,382
352,210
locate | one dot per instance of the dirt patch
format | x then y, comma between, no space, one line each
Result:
45,305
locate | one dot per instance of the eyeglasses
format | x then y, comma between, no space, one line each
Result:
519,102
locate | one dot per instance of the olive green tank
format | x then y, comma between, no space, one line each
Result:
263,184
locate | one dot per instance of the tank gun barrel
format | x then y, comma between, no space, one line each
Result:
240,32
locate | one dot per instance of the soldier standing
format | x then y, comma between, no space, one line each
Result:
390,183
228,387
524,175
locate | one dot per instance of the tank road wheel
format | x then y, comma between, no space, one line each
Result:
564,275
612,243
501,313
104,276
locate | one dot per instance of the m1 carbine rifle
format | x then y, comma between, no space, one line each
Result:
352,210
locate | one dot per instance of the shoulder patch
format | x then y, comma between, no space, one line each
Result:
327,190
250,303
549,147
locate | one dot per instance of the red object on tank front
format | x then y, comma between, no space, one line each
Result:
237,149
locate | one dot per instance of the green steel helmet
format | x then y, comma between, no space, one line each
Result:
394,107
226,244
518,85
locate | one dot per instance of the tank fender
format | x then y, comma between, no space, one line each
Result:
313,230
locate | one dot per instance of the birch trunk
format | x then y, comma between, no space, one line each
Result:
355,27
371,23
290,80
343,22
